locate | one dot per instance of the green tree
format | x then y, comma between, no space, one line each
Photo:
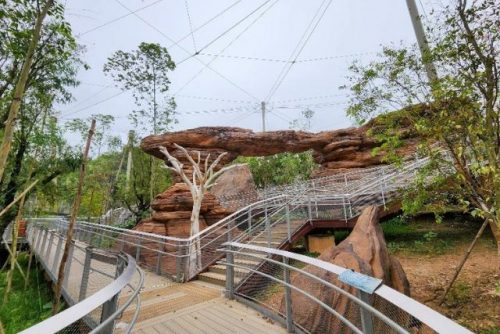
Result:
460,110
279,169
144,72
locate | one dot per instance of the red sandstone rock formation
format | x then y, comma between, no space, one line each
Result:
334,150
363,251
233,183
172,212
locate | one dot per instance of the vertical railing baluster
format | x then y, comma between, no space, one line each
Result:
229,273
288,296
67,268
250,220
109,307
55,265
268,227
288,225
366,316
86,273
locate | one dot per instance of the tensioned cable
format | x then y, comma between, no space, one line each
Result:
190,25
204,24
298,61
227,46
292,55
288,67
226,31
93,105
118,18
182,48
78,103
209,98
320,97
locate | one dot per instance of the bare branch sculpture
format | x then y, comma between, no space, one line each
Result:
201,182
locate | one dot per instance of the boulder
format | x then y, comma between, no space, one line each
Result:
172,212
364,251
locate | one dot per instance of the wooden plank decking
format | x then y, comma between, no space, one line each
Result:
193,307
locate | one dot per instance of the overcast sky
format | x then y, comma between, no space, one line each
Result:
254,54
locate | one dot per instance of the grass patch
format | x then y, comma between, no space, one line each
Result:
25,307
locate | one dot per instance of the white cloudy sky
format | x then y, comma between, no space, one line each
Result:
350,29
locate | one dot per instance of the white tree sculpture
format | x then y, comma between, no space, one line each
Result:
200,183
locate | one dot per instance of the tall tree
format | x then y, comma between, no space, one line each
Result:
144,72
20,86
459,110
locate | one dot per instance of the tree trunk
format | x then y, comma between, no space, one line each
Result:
195,249
72,221
13,252
464,258
20,89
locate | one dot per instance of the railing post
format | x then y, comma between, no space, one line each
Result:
268,227
44,241
138,250
229,273
55,266
86,273
47,250
309,209
382,187
366,317
67,268
158,262
315,198
250,220
230,225
288,225
39,237
345,209
180,261
109,307
288,297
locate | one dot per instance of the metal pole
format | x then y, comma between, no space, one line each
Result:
110,306
288,227
268,227
229,273
366,317
423,44
56,256
250,220
86,273
138,250
263,108
288,297
67,268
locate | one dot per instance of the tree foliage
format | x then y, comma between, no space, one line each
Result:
458,112
279,169
144,72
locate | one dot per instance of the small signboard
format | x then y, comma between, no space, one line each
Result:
362,282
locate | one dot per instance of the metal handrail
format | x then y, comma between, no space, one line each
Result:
83,308
423,313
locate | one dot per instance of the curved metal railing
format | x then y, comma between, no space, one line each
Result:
282,213
98,286
313,296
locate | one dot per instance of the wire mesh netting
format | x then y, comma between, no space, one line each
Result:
88,271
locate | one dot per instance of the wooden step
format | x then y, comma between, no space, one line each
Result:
215,278
221,269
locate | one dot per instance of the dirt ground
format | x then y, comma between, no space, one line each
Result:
474,300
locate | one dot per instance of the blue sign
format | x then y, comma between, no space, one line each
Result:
362,282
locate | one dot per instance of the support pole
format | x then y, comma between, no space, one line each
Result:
288,297
423,44
229,273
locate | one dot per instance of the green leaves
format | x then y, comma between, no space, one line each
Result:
144,72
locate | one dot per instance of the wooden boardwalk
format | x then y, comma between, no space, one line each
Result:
193,307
